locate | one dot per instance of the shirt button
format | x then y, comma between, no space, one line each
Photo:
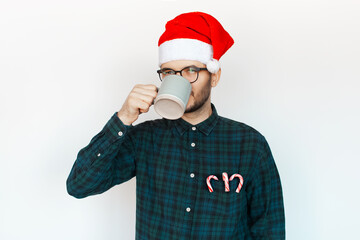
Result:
120,133
188,209
193,128
193,144
192,175
98,154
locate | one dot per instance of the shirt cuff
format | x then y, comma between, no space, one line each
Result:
115,129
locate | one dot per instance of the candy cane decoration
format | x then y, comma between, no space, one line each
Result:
226,181
208,182
240,183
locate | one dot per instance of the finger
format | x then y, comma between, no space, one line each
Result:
143,106
146,98
147,86
150,86
144,110
148,92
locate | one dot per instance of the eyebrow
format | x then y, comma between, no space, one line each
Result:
181,68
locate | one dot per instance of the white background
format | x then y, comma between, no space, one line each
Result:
67,66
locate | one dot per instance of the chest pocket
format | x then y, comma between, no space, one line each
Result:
220,204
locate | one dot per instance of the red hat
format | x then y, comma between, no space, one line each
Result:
194,36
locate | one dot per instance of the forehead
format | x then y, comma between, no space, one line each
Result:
179,64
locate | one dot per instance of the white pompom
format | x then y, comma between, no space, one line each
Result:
213,66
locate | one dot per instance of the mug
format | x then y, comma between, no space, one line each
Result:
172,97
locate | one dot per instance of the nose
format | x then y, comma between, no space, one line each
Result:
178,73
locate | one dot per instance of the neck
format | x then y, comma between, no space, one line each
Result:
199,115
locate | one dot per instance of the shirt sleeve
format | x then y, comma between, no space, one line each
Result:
106,161
265,199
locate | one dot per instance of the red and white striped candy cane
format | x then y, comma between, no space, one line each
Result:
208,182
240,183
226,181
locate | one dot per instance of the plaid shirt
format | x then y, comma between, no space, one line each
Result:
171,160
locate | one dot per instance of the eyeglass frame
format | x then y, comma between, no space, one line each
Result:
175,72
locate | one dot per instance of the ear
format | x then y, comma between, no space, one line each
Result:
215,77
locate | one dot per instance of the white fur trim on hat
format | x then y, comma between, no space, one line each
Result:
185,49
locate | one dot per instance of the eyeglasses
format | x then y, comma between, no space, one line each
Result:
191,73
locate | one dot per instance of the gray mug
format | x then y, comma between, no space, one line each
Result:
172,97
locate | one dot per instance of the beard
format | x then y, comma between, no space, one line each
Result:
200,101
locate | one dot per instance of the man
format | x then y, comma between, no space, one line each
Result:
182,166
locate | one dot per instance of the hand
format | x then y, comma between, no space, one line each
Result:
139,101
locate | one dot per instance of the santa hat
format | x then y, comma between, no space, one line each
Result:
194,36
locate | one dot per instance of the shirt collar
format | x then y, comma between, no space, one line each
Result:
205,126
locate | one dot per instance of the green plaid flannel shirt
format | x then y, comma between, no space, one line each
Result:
171,160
